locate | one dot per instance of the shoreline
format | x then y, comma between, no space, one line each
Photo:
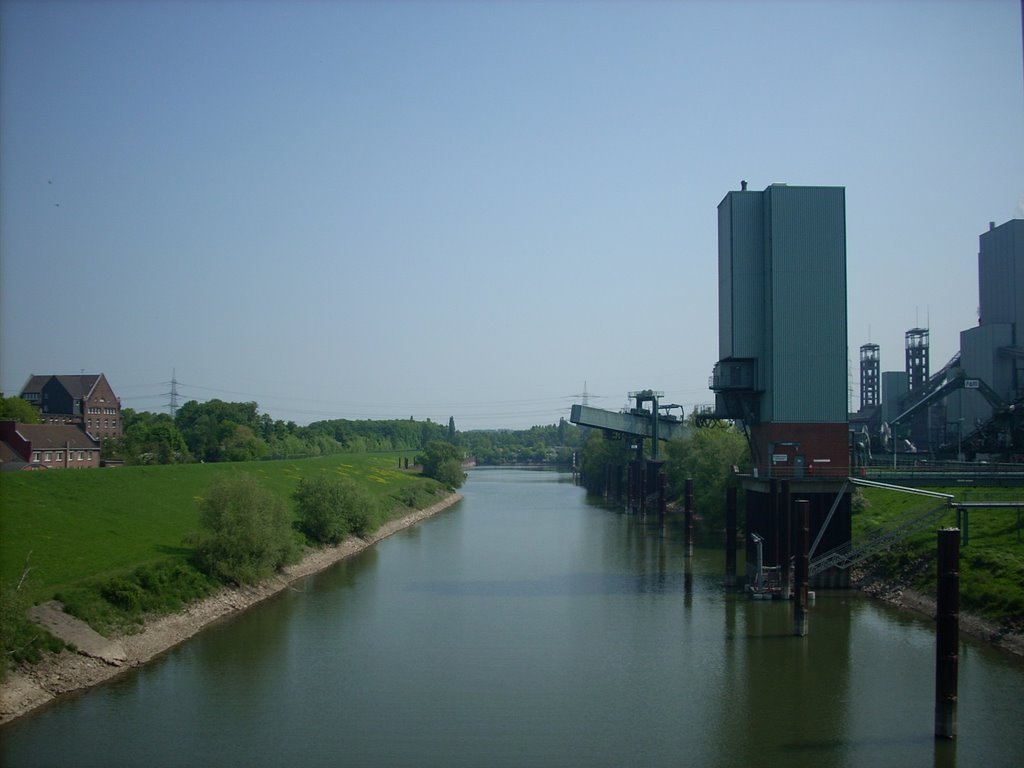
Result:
1005,638
31,686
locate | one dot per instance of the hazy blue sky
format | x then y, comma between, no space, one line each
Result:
355,209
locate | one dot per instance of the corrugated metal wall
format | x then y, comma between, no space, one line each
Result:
806,297
782,297
1001,274
895,384
980,358
741,275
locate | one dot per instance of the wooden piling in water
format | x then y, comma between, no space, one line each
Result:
662,496
803,518
947,632
786,539
730,538
688,506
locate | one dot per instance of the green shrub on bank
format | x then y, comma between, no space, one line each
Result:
247,532
121,602
331,508
416,496
20,638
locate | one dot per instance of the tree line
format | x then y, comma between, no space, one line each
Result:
708,455
216,431
551,444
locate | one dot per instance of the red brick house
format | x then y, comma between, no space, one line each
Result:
46,446
84,400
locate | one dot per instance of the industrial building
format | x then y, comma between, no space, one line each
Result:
782,368
971,407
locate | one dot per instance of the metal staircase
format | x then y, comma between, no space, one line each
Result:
848,555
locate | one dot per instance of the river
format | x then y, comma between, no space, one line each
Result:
526,627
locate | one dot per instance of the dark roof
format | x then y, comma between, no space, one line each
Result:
56,436
77,386
80,386
35,383
8,454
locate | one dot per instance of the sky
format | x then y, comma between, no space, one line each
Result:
477,210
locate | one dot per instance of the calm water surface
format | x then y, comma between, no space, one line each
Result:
526,627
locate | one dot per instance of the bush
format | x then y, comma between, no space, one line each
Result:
247,531
416,496
22,640
122,593
450,474
441,461
330,508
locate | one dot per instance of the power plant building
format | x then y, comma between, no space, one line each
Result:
782,368
782,326
993,351
971,405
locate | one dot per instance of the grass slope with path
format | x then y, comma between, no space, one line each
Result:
76,529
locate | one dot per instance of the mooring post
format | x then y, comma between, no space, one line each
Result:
662,496
642,487
803,516
786,539
730,538
688,506
947,632
772,544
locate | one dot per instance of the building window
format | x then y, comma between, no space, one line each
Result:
80,454
47,456
60,455
35,455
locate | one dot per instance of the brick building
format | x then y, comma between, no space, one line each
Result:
86,401
46,446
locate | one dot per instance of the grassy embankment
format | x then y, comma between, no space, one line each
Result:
991,564
84,533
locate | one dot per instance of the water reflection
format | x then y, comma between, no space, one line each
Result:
530,627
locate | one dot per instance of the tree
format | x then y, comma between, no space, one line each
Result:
211,430
450,474
149,438
442,461
330,508
247,532
602,461
707,456
17,409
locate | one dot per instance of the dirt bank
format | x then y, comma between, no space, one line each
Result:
34,685
1009,637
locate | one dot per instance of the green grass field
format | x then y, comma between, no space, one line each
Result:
79,526
991,562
